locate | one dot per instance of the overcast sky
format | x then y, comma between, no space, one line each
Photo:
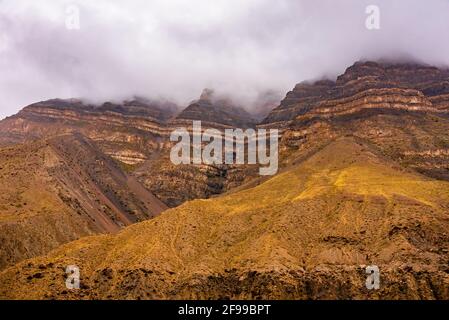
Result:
174,48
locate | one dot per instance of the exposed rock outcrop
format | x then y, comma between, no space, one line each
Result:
384,86
214,112
399,108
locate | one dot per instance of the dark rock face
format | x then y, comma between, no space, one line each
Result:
215,112
176,184
368,84
298,101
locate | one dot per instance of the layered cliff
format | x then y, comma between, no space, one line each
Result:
136,134
383,86
214,112
401,109
129,131
175,184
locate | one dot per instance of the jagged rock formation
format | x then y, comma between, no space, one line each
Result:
298,101
307,233
59,189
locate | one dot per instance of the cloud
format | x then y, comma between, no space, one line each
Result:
175,48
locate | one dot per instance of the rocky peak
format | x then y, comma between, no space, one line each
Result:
402,73
299,100
379,85
157,109
207,94
215,111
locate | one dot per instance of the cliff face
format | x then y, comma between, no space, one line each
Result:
128,132
215,112
402,109
136,134
298,101
365,85
175,184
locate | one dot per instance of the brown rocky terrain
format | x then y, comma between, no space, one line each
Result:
367,85
399,109
129,130
199,180
214,112
363,180
307,233
136,133
60,189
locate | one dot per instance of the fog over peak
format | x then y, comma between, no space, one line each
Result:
173,49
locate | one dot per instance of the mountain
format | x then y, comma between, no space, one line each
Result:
215,112
402,109
128,132
307,233
108,159
136,133
298,101
363,180
62,188
368,85
161,176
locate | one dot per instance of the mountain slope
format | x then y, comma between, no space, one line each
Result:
57,190
306,233
136,133
400,109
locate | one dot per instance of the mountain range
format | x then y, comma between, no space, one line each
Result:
363,180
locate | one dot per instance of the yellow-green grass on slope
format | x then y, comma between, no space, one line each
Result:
33,218
305,233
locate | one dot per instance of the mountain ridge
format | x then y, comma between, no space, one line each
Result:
305,233
379,140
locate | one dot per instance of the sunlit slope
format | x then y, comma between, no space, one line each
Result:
57,190
306,233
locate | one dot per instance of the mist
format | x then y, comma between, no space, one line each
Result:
107,50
